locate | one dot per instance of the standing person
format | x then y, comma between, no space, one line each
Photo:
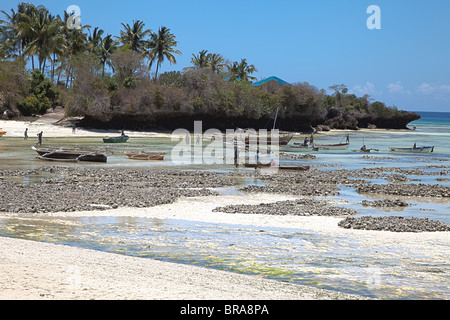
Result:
236,154
122,135
74,128
39,138
25,134
197,140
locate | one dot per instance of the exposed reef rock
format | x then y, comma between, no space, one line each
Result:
394,224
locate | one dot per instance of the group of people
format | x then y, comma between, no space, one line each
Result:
39,135
311,141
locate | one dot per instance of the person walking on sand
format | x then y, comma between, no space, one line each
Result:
39,135
25,134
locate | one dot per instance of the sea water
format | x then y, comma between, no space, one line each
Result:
295,255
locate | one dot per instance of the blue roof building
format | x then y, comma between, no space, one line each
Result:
276,79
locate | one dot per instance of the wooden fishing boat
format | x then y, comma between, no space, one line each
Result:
297,168
70,154
56,159
337,146
119,139
367,150
300,145
2,132
257,165
423,149
283,139
145,156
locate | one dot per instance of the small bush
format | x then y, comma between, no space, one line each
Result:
32,105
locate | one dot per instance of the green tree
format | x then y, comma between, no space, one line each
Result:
240,71
339,93
216,62
107,47
44,34
42,95
201,60
160,47
134,36
14,33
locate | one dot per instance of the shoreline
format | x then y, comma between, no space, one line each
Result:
48,124
44,271
40,271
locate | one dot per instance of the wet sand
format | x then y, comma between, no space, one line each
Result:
35,270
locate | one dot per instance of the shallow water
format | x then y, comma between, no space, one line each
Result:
295,255
300,256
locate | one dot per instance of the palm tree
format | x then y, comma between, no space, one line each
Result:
57,44
106,49
75,43
44,33
15,37
216,62
240,71
134,36
201,60
160,47
95,39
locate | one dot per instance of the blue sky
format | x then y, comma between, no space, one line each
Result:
324,42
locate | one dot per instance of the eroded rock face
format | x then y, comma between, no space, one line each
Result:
395,224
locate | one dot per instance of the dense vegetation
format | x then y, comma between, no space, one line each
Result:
115,81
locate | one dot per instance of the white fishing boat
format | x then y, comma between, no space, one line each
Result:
423,149
337,146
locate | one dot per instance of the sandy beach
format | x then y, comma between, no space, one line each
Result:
34,270
52,126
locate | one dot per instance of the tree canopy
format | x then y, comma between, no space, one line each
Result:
45,61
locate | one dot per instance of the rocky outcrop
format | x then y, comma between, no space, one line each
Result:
394,224
299,207
334,119
340,119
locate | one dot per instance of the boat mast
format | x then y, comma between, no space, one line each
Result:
275,120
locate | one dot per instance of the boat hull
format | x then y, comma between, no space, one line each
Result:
56,159
257,165
145,156
294,168
413,150
116,139
339,146
283,140
64,154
